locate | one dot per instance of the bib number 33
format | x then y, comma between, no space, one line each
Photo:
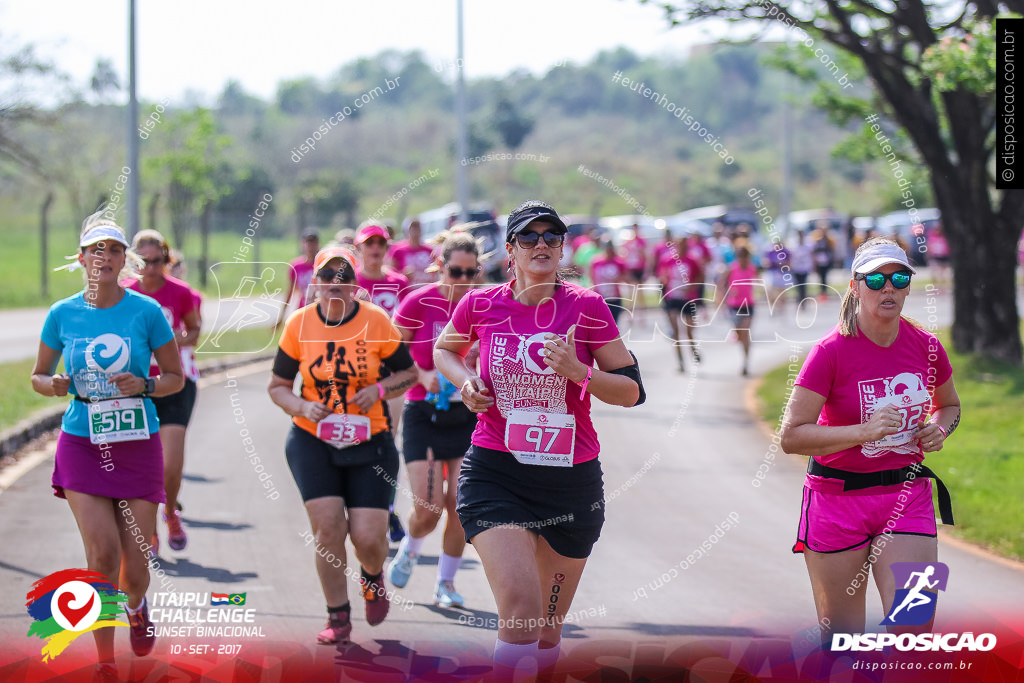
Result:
541,438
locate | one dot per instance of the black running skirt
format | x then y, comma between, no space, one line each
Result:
564,505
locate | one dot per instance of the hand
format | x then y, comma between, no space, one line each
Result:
474,395
560,355
885,421
60,384
366,397
428,379
128,384
930,437
314,412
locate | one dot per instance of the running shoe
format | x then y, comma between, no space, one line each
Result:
377,601
395,531
141,636
106,672
339,630
176,536
400,568
445,595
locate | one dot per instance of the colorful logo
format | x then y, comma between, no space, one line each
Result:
71,602
236,599
914,604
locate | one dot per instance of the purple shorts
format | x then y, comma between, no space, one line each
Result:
127,469
834,522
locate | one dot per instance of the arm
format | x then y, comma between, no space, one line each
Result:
945,414
280,390
43,380
190,335
171,379
450,352
427,378
403,375
802,434
611,388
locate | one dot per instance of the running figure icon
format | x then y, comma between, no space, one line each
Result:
916,596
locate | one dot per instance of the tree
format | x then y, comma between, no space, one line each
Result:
20,71
189,167
510,123
103,78
951,127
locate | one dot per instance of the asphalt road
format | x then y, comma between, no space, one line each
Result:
675,469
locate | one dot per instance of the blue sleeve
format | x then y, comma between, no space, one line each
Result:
51,331
159,331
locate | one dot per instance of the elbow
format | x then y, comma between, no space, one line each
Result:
179,384
786,440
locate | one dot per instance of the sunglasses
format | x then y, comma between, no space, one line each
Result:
528,240
459,273
153,262
339,275
875,281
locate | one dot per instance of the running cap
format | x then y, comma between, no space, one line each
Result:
326,255
530,211
101,233
372,230
877,255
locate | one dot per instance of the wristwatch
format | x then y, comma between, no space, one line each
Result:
150,386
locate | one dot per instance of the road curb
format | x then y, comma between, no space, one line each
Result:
32,427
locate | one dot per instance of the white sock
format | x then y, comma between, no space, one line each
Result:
447,565
136,610
412,545
546,658
511,660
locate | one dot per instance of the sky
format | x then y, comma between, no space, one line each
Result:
198,45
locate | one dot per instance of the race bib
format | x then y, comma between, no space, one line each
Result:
541,438
342,430
118,419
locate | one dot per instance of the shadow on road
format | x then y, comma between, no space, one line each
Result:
690,630
480,619
431,560
354,657
219,526
187,568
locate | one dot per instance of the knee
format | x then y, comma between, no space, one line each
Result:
368,539
103,556
425,518
329,535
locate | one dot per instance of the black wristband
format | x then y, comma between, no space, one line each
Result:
150,386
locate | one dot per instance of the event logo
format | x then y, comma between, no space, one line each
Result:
533,354
71,602
107,353
227,599
914,604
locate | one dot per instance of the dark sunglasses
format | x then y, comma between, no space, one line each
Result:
339,275
528,240
153,261
900,279
459,273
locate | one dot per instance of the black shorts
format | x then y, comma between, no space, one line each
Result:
687,306
564,505
176,409
446,432
742,314
364,475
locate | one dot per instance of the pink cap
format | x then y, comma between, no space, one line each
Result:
368,231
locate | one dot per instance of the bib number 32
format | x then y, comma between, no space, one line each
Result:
541,438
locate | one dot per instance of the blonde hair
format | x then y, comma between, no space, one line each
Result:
850,305
132,262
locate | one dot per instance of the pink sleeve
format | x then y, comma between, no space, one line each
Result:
462,319
943,370
409,314
819,370
596,326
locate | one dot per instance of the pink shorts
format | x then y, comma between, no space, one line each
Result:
834,522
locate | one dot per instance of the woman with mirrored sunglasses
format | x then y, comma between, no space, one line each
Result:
436,425
340,449
530,492
872,399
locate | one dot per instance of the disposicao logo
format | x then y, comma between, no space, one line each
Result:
71,602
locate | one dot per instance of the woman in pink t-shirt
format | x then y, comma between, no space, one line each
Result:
738,290
175,411
436,426
530,492
873,397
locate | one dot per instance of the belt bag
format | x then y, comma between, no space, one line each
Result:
853,481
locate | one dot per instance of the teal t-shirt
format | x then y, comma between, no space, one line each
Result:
99,342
